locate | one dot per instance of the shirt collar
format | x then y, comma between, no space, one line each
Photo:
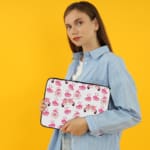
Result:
95,53
77,55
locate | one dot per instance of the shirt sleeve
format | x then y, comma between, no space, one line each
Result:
126,112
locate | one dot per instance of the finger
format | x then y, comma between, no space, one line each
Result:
64,127
43,107
68,129
42,103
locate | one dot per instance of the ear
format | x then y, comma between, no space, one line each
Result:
96,25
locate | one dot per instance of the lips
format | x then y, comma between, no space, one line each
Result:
76,38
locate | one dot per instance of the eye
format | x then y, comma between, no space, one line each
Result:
68,27
79,23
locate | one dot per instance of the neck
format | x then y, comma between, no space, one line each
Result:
91,45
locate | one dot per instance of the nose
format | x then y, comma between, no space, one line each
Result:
74,30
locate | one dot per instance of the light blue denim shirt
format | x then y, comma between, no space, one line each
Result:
100,66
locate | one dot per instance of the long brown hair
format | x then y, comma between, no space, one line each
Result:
92,12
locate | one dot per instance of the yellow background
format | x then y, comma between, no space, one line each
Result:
33,47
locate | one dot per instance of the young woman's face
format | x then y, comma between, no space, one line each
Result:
80,28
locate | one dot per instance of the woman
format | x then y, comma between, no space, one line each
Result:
94,62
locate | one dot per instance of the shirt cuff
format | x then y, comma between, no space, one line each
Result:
92,127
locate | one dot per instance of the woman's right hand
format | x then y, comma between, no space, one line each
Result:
42,106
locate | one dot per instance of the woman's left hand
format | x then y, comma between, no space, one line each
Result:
77,126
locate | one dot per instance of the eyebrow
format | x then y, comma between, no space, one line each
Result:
76,20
